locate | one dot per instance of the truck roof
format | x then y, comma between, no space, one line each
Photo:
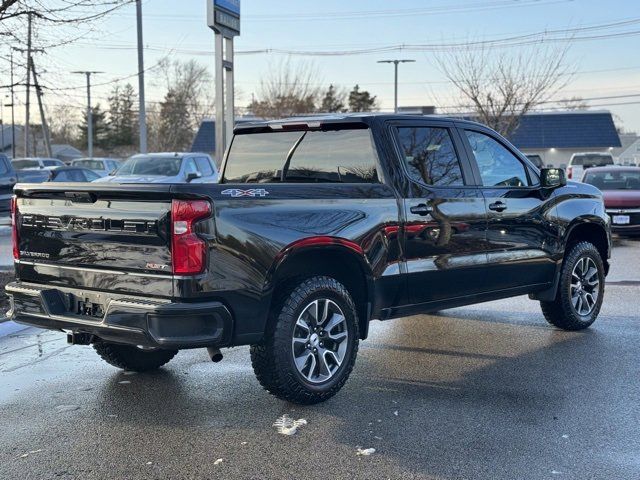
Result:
316,121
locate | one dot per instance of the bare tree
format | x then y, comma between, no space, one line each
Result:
287,90
498,89
75,13
63,123
174,123
574,103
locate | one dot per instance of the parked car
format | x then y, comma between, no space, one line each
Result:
317,227
36,163
536,160
582,161
166,168
101,166
9,177
73,174
621,189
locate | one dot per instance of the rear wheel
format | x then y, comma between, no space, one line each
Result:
580,290
133,358
311,342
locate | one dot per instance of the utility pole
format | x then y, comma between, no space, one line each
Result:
27,105
142,110
43,118
89,112
396,63
2,125
13,110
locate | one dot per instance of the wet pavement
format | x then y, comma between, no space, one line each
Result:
483,392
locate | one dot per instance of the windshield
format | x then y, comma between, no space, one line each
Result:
90,164
592,160
53,163
161,166
614,180
20,164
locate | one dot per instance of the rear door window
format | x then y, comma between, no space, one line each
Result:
430,156
340,156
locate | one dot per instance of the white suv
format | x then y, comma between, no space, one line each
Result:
581,161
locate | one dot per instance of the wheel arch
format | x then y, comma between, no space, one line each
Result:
594,231
338,258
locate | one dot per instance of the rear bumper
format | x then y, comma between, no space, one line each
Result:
125,319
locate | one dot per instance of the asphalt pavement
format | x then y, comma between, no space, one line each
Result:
484,392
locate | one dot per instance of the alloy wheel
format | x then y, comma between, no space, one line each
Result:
585,286
320,340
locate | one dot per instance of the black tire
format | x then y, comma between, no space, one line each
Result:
132,358
273,359
561,312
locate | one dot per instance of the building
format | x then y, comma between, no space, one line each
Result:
205,139
6,138
556,136
66,153
629,152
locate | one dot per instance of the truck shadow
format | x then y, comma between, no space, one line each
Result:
449,396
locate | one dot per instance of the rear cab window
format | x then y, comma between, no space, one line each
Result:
333,156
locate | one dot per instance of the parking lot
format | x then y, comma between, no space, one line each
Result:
488,391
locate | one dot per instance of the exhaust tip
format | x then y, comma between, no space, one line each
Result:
214,354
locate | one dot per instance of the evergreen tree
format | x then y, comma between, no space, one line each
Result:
333,101
122,118
175,130
100,128
361,101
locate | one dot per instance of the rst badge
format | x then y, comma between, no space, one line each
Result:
253,192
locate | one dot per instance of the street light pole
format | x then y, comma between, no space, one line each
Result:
89,112
395,64
142,114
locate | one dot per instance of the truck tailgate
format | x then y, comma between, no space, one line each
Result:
89,236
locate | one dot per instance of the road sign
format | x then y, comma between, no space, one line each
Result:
223,16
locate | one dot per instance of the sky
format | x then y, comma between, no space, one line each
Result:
605,67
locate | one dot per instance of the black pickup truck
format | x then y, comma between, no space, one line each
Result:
317,227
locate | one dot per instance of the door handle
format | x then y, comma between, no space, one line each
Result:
422,209
498,207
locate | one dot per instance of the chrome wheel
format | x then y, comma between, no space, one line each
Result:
320,340
585,286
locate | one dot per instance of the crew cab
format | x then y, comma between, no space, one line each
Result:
317,227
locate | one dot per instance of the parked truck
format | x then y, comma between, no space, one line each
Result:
317,227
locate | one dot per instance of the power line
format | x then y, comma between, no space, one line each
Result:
368,14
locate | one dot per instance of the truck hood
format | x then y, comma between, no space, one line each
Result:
621,198
137,179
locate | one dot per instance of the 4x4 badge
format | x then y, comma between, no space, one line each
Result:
254,192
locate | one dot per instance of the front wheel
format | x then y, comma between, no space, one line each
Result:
580,289
311,342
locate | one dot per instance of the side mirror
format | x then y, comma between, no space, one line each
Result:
193,175
552,178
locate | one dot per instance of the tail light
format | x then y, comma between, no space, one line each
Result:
569,172
188,251
14,228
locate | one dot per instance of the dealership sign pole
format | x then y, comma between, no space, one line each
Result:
223,17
